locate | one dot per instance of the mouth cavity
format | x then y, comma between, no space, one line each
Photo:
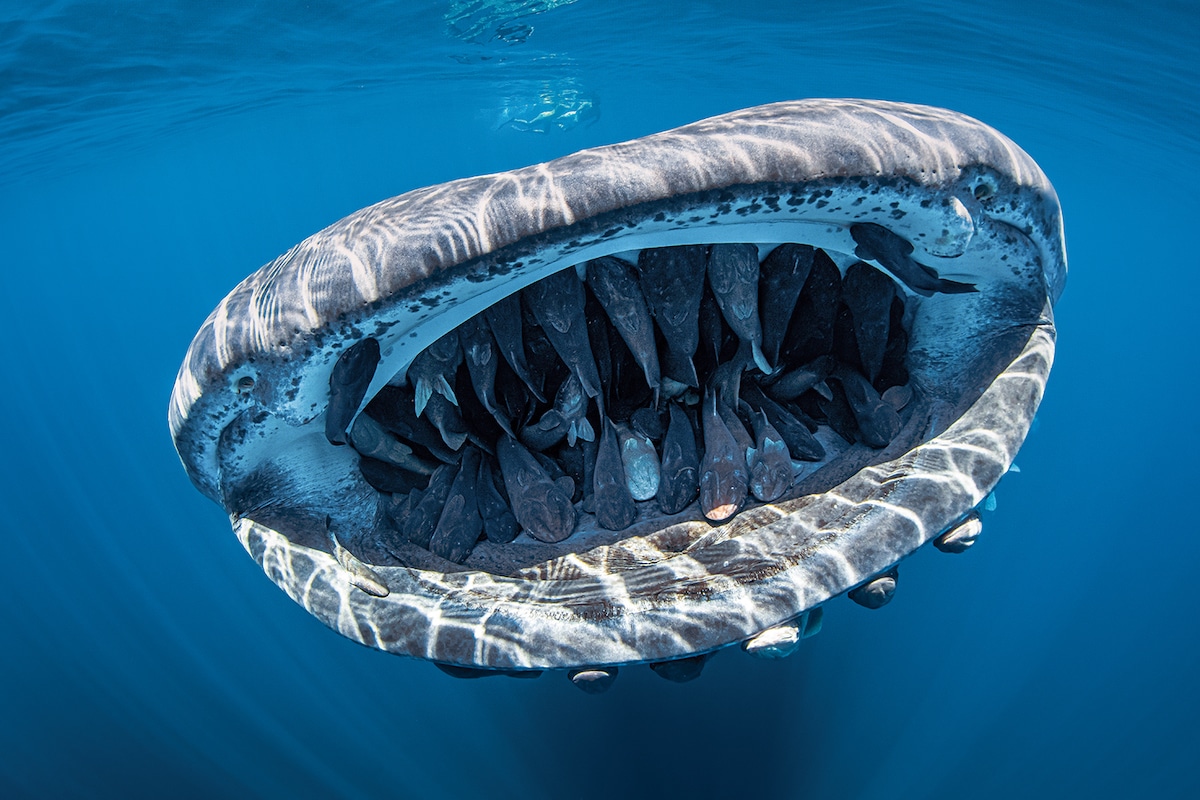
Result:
625,393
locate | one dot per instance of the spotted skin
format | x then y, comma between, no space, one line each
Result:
679,475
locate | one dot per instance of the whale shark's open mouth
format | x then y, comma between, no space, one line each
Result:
642,402
690,376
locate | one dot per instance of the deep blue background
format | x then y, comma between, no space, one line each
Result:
153,154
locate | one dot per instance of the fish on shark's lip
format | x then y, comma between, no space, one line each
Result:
962,218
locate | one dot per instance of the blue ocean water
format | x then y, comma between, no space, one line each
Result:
152,155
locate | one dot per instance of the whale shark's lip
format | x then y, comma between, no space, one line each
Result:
247,403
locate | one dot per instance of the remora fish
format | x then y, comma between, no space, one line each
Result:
672,280
712,331
446,418
348,385
570,461
868,293
799,440
810,333
733,276
460,525
568,419
546,368
796,382
614,504
433,369
498,521
542,509
781,277
370,439
423,519
723,478
726,379
640,463
894,371
600,334
736,427
649,423
588,450
504,318
894,253
877,421
616,287
558,303
677,484
393,408
480,353
838,413
769,462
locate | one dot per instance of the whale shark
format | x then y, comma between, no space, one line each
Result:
961,220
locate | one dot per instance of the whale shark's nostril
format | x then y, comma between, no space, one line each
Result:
985,188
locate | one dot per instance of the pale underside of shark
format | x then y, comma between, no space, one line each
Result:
247,412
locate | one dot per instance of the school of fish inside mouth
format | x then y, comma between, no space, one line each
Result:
641,385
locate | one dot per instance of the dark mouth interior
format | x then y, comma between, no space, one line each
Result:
679,382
